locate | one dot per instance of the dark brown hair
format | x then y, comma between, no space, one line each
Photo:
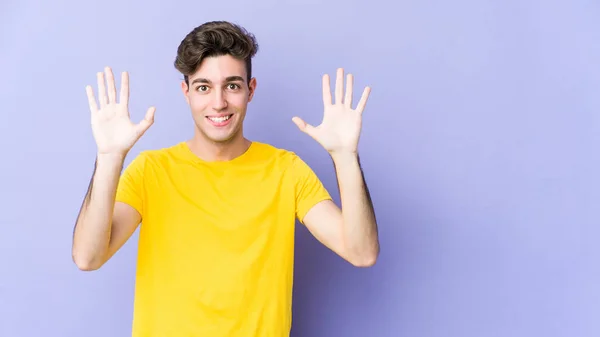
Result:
215,38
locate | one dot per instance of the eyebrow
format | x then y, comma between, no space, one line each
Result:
228,79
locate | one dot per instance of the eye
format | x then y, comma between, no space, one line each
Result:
233,86
202,88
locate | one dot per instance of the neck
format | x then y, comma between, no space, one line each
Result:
208,150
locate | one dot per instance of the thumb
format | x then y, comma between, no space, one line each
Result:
148,120
303,126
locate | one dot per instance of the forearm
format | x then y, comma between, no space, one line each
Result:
92,231
359,223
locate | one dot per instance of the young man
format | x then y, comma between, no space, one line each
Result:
216,245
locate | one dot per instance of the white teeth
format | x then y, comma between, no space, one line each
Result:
219,119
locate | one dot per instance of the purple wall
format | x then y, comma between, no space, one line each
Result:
481,147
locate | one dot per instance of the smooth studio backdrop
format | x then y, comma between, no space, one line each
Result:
481,148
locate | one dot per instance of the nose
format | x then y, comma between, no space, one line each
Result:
220,101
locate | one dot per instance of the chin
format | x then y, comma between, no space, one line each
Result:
220,139
220,136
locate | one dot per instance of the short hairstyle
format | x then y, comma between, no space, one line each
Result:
215,38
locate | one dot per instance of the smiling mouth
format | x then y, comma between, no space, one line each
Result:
219,120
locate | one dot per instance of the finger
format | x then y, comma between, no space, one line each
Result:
339,86
111,90
363,100
91,99
148,120
326,90
349,86
303,126
124,99
101,90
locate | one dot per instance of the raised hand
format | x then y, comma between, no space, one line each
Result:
111,124
339,131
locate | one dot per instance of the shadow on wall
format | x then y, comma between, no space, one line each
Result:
334,298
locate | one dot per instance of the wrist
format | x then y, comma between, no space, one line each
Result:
344,157
115,158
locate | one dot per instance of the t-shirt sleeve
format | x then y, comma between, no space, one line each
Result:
309,188
131,184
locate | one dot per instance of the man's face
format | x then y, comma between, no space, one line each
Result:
218,95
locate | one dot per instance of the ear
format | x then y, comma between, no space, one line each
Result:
186,90
251,88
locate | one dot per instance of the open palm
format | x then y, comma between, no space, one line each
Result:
112,127
339,131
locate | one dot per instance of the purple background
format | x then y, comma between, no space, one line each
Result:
480,146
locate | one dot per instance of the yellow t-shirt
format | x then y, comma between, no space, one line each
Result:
216,245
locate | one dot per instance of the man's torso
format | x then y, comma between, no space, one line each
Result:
216,241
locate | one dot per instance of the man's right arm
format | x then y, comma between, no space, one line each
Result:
103,225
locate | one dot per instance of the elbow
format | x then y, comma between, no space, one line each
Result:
85,267
85,263
365,260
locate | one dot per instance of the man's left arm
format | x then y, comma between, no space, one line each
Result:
352,231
